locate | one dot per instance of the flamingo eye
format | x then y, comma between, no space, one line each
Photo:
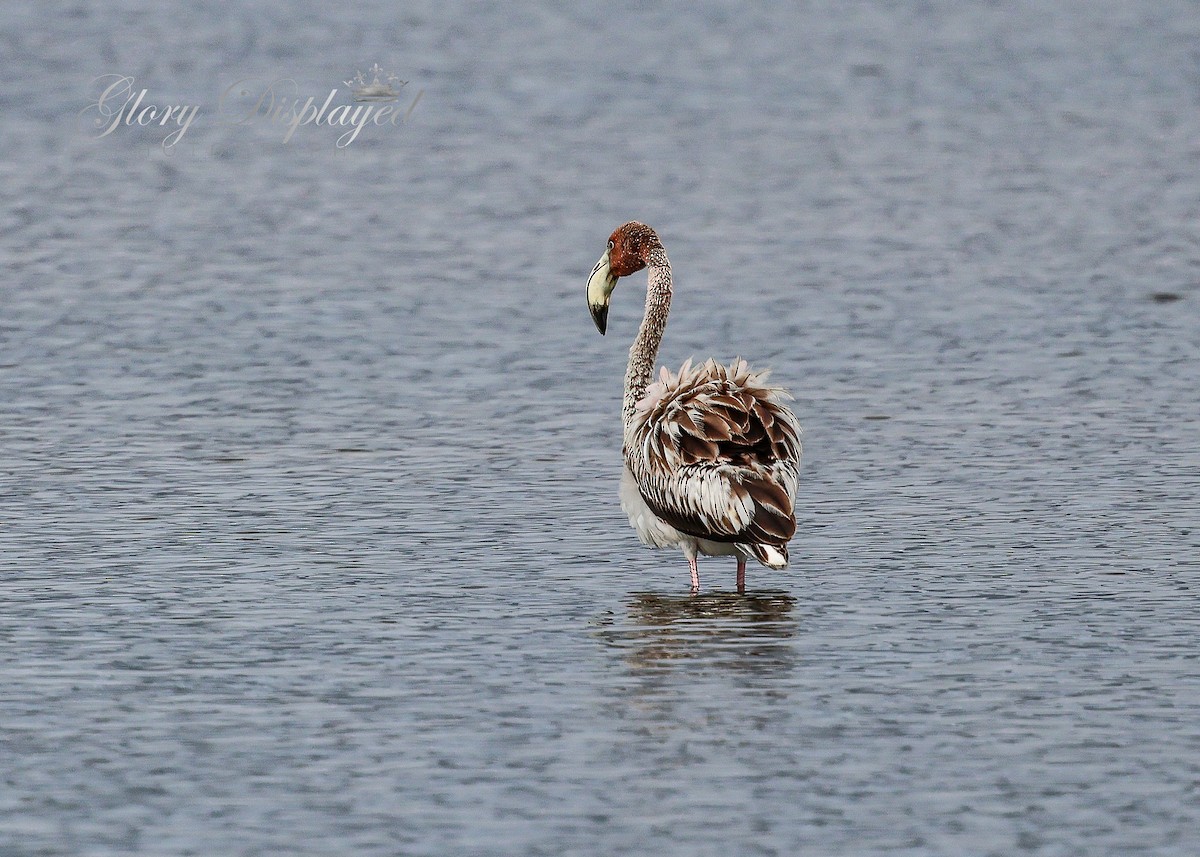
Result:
610,245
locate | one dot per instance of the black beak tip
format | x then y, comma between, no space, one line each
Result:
600,316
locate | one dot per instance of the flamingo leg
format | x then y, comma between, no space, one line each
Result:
741,575
695,574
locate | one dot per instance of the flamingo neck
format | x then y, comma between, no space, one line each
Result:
644,350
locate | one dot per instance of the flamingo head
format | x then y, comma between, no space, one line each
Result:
628,252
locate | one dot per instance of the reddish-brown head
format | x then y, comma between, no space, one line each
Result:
629,249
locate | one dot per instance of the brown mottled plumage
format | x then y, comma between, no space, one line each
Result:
727,449
712,454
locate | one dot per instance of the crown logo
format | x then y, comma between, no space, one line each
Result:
376,89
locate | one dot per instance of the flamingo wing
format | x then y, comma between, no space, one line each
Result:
716,454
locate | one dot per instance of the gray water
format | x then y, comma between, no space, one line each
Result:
309,533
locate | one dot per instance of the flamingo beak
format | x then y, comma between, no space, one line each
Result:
599,287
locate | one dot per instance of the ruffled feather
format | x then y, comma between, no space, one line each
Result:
716,454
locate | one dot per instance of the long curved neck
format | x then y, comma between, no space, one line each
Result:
645,348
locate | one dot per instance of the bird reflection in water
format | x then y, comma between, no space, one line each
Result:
722,628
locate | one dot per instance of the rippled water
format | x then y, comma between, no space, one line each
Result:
309,536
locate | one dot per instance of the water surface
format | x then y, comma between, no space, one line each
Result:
310,541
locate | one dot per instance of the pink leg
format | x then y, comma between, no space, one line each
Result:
695,575
741,580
